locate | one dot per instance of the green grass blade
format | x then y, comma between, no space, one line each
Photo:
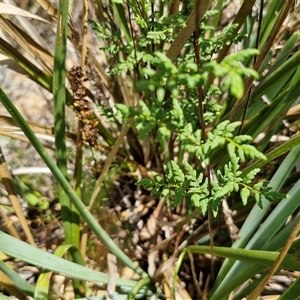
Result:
136,289
254,257
274,113
256,261
43,282
19,249
266,231
59,82
70,215
34,73
287,48
84,213
276,219
292,292
280,150
276,86
253,221
216,18
269,19
271,81
43,285
119,9
2,297
274,245
21,283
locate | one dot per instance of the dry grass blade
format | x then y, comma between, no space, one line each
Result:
28,44
12,130
84,36
110,158
112,269
30,68
12,195
8,223
36,127
30,28
49,8
294,112
180,291
188,30
8,63
194,274
239,19
8,9
99,69
6,283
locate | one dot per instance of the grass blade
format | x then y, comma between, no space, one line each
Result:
37,257
84,213
69,214
21,283
254,220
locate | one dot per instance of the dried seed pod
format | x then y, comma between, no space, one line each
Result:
84,112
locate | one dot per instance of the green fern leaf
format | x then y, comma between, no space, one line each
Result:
245,193
178,174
